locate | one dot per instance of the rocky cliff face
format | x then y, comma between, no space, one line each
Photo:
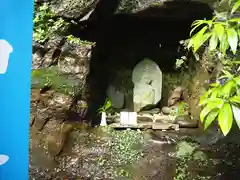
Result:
82,70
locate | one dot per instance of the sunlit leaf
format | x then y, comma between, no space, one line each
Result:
214,84
237,80
212,103
213,42
219,30
236,114
234,62
232,39
200,38
210,118
235,7
235,99
227,88
204,97
108,104
223,77
235,19
204,113
225,118
215,103
227,73
224,44
215,92
195,25
198,23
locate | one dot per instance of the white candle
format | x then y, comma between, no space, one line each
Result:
103,119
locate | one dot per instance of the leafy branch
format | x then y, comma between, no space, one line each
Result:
222,101
46,25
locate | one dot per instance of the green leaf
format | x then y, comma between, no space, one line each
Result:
234,62
198,23
212,103
204,97
210,118
235,19
213,42
235,99
235,7
195,25
219,30
224,44
204,112
227,88
236,114
108,104
227,73
232,39
237,80
215,84
215,92
200,38
223,76
225,118
215,103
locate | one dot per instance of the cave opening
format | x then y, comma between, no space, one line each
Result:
125,39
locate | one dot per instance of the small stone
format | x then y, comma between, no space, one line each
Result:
164,118
151,111
166,110
186,121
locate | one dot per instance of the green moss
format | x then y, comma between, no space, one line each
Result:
74,40
53,78
185,149
125,148
185,153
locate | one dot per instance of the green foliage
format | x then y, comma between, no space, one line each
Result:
73,40
125,146
181,109
220,35
184,149
218,102
185,153
46,25
107,106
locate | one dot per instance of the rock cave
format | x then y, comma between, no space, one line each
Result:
125,39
